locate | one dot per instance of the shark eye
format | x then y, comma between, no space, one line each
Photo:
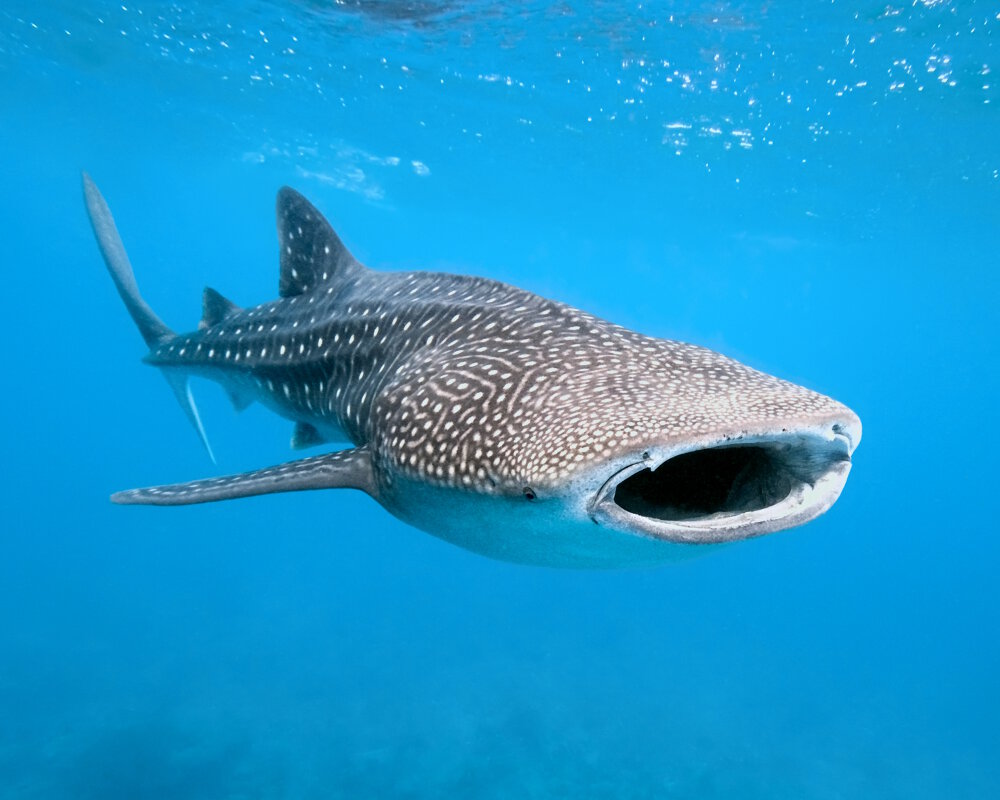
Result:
529,493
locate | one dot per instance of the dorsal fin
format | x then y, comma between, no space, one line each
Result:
215,308
311,253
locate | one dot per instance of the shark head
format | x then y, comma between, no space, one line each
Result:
733,455
615,449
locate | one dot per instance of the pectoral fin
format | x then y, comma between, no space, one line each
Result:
346,469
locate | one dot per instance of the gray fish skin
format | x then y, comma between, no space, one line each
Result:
512,425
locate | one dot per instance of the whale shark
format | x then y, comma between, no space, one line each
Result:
509,424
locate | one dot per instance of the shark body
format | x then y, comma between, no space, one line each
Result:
509,424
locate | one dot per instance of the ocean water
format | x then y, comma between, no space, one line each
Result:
813,188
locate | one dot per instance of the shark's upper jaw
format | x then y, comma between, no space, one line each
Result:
730,487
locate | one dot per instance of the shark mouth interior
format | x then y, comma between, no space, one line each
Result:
731,491
719,480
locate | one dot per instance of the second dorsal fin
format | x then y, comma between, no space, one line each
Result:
311,253
215,308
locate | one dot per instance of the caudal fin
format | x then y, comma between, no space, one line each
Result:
152,328
154,331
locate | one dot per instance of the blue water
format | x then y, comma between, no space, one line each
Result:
811,188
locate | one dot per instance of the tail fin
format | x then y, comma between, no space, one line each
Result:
154,331
152,328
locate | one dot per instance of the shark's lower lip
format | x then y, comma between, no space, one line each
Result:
729,490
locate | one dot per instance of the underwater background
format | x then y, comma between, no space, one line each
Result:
813,188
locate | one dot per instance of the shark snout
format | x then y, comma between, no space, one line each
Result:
847,426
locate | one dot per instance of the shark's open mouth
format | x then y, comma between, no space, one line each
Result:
719,480
728,491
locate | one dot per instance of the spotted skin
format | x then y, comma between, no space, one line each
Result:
453,388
